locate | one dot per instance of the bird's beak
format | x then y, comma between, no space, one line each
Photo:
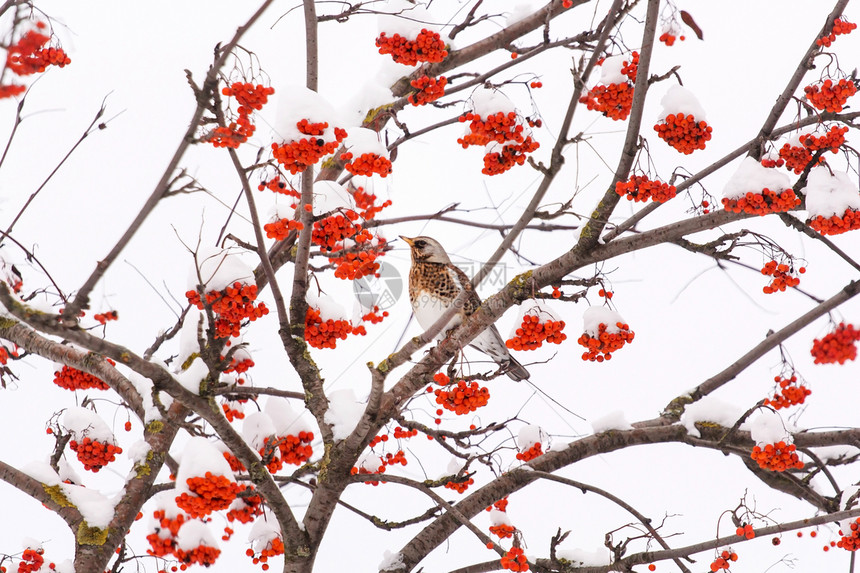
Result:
408,241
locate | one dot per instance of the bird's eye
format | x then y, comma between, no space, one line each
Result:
420,244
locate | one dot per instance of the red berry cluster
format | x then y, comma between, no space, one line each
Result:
94,454
355,265
397,458
429,89
566,3
278,186
790,393
797,158
828,96
231,306
501,505
297,155
32,561
776,457
463,397
669,38
366,204
724,560
213,493
503,530
74,379
426,47
840,27
250,97
29,55
771,163
497,162
238,366
850,542
161,546
251,507
366,164
836,225
374,318
234,462
232,413
325,334
532,333
746,530
330,231
460,487
364,471
783,276
514,560
683,132
498,127
400,433
281,229
274,548
602,346
837,347
640,188
614,100
763,203
531,453
294,450
202,555
104,317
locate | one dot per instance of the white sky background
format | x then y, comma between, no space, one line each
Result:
691,319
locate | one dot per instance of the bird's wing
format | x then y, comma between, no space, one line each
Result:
473,301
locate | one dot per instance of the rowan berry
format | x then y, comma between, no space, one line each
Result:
776,457
278,186
723,560
836,225
605,341
830,96
426,47
400,433
74,379
790,393
282,228
763,203
366,164
429,89
640,188
297,155
11,90
514,560
245,508
746,530
850,542
537,326
208,493
783,276
202,555
272,548
325,334
29,56
231,306
837,347
6,353
462,397
683,132
94,454
840,26
461,486
530,453
104,317
503,530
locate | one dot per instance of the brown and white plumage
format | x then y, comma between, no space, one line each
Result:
434,284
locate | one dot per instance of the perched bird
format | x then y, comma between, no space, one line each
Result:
434,284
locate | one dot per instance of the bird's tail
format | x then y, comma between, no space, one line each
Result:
516,371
